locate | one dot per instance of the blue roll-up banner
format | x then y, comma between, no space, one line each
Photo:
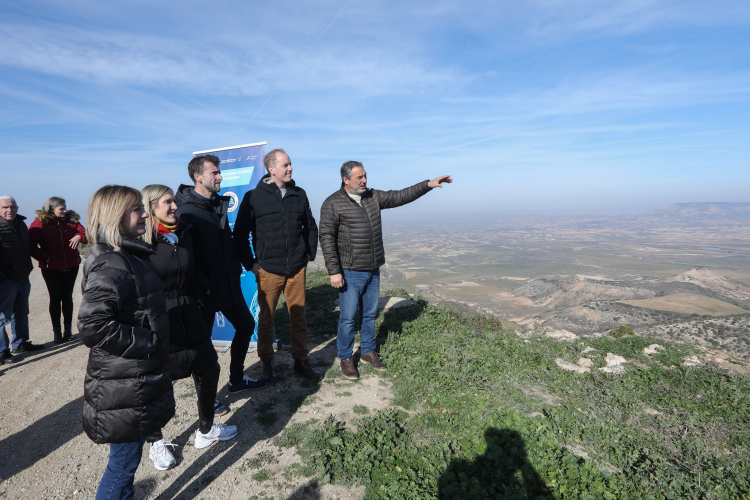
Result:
241,170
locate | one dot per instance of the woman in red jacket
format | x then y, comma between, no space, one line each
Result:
54,237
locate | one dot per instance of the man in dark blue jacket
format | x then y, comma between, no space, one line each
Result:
217,266
285,239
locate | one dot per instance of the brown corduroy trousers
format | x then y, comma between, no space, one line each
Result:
270,287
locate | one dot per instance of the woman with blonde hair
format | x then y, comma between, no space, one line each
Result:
54,237
190,347
128,393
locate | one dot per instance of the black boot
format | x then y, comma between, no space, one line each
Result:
57,334
67,335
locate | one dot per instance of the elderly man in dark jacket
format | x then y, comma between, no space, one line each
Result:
217,266
15,267
351,238
285,239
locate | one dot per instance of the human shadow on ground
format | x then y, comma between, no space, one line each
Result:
502,472
309,491
259,415
37,440
24,359
144,487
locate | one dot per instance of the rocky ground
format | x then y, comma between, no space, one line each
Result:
44,452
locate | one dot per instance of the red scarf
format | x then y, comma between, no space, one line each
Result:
162,229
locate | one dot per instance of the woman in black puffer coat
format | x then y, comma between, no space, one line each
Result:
122,318
191,351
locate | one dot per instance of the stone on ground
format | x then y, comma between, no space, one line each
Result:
614,364
653,349
570,367
562,335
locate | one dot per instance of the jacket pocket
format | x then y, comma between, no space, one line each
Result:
348,253
260,248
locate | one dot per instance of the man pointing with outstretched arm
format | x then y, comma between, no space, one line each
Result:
351,238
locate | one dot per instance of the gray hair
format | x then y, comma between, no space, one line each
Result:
51,204
8,197
270,159
346,168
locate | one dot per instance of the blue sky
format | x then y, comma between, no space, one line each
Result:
533,107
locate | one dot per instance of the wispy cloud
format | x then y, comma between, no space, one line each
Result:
549,99
247,64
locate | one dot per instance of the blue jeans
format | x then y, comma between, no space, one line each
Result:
361,291
117,481
14,309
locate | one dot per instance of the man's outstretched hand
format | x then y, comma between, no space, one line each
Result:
436,183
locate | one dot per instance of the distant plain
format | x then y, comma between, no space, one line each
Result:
586,274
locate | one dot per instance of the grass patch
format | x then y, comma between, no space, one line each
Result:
261,475
309,400
266,416
310,383
297,470
495,418
261,459
361,410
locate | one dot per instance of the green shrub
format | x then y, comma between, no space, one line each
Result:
621,331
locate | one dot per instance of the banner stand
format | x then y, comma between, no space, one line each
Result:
241,170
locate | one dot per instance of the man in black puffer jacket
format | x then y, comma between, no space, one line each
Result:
285,239
15,267
351,238
217,266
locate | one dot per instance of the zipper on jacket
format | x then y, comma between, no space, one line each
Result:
372,235
65,261
286,235
179,306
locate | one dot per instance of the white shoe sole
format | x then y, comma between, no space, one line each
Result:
205,443
159,467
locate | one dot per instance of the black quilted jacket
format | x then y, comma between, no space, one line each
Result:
351,236
15,259
217,265
285,236
190,347
122,319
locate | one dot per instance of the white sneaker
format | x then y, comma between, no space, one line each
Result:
160,454
219,432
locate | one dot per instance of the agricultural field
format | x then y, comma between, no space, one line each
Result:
584,274
688,303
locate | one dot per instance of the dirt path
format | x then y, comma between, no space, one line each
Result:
44,452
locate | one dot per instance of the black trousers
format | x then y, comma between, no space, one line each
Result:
206,386
244,325
60,286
